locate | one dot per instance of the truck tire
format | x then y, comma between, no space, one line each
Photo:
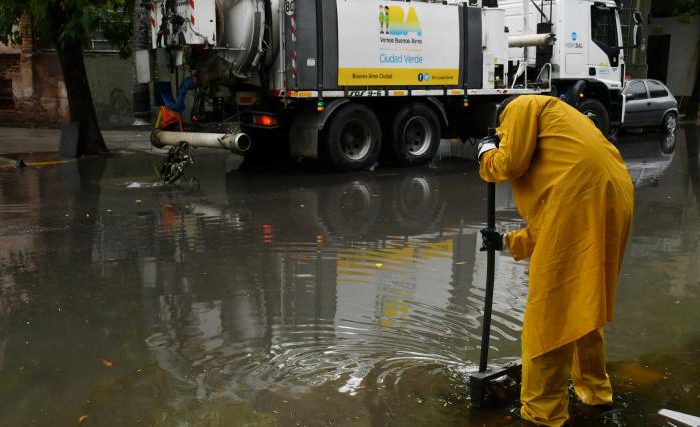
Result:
596,111
352,138
415,135
417,203
351,208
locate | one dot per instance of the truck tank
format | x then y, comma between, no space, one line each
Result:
242,45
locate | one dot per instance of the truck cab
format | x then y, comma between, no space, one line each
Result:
588,66
589,43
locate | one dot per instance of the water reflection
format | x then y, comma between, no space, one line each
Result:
661,263
345,282
282,283
647,156
284,297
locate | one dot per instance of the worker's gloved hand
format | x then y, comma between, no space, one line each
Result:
485,145
491,239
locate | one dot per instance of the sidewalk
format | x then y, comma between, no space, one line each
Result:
15,141
26,140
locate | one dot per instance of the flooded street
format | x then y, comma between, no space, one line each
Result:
282,296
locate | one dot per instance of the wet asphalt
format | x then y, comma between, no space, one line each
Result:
278,294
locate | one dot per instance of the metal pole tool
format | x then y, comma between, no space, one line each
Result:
478,382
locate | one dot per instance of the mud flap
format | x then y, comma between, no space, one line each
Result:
303,136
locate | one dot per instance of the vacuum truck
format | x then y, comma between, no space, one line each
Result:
348,81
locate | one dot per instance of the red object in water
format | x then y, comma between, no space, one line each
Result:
267,234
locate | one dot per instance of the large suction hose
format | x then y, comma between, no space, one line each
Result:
526,40
238,142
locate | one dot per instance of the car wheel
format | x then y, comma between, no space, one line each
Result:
415,135
596,111
353,138
668,143
669,123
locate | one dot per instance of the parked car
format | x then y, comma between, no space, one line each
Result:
650,104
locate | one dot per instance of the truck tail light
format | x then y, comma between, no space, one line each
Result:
264,120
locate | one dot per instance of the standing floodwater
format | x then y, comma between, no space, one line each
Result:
298,298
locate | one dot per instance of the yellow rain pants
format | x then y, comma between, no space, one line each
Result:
544,394
573,190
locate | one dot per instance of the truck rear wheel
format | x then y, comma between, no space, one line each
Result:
351,208
415,135
596,111
353,138
417,202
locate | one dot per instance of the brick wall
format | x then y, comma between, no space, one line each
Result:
35,81
9,67
9,63
32,92
37,91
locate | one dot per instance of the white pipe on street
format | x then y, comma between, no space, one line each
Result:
237,143
689,420
531,40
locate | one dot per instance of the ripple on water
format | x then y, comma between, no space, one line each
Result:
395,308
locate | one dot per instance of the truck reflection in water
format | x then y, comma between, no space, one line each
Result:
290,284
259,297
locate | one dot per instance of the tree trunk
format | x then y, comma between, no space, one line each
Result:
82,108
691,109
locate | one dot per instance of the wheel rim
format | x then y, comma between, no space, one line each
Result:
670,123
356,199
355,139
354,207
417,135
415,195
668,144
594,117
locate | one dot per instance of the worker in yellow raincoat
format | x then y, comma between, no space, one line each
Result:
574,191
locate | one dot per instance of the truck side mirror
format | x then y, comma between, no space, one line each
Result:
637,34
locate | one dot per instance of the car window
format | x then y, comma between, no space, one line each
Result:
636,90
604,26
656,90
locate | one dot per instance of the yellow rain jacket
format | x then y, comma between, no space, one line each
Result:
574,191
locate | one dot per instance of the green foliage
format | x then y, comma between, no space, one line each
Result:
76,20
688,7
685,10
